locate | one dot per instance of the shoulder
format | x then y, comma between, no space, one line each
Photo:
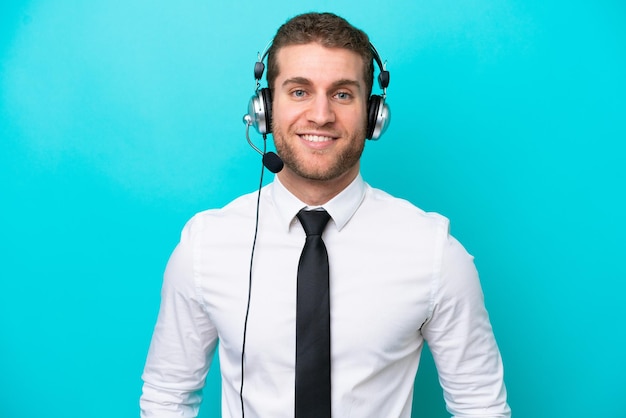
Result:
237,214
401,212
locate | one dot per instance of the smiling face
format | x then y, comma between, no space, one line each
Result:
319,115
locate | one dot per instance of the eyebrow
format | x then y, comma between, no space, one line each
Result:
339,83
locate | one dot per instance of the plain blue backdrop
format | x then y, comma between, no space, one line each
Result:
121,119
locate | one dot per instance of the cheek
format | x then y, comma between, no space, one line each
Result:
281,115
283,112
355,118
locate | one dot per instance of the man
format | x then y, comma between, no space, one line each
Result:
396,277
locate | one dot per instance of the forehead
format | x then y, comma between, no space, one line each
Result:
319,63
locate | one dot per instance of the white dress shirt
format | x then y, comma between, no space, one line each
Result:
397,278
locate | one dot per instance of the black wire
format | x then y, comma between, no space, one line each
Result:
245,323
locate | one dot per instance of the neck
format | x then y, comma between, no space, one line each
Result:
316,192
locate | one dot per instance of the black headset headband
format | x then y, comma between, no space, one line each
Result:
383,76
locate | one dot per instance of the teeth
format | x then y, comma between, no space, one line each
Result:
316,138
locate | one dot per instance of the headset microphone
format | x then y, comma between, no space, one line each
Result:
271,160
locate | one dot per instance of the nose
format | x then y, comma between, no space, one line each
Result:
320,111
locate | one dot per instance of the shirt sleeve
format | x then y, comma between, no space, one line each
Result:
182,345
461,339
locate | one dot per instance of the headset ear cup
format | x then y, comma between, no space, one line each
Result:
378,116
260,111
266,95
372,115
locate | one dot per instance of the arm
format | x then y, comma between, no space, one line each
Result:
183,343
461,339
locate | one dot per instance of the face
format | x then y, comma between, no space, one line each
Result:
319,112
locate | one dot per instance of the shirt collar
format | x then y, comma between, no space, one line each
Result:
341,207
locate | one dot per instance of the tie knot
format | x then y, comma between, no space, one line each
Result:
313,221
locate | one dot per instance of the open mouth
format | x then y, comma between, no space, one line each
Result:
316,138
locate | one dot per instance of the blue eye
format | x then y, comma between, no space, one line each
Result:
342,95
298,93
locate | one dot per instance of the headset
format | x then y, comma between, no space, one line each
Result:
260,105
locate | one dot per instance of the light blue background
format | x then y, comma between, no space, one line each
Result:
121,119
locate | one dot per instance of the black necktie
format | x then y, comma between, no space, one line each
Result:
313,321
